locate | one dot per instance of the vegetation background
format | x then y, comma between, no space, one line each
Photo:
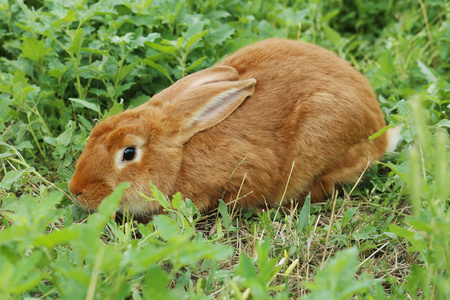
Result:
66,65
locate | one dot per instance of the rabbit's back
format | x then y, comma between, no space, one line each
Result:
290,74
309,107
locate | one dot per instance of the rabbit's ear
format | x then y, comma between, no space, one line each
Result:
206,104
210,75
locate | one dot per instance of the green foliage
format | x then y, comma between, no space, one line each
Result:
76,263
64,65
343,284
257,281
428,181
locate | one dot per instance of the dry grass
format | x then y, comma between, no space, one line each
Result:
306,253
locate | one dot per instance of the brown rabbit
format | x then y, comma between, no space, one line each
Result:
235,131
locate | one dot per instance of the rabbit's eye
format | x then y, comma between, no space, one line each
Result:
129,153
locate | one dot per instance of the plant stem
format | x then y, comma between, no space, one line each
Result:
30,129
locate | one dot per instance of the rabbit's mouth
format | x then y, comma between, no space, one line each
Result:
81,203
76,201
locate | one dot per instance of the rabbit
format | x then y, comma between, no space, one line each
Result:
268,125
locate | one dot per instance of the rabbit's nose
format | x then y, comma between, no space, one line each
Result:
75,188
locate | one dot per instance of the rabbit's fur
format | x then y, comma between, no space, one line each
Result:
235,131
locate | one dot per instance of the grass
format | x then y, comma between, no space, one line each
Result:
64,66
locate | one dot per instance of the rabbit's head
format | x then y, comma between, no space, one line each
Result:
146,143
